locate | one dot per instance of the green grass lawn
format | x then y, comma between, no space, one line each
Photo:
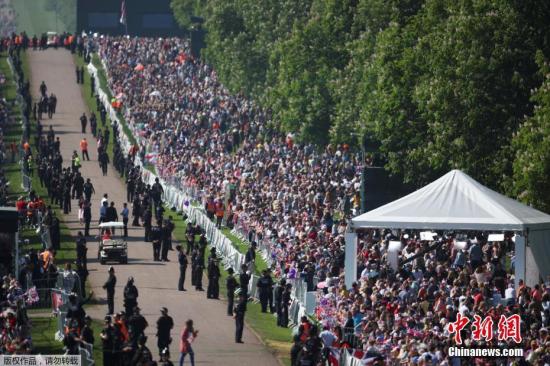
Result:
277,339
43,331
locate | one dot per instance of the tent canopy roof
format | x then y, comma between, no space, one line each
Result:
455,202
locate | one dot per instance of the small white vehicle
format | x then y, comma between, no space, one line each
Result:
112,247
51,38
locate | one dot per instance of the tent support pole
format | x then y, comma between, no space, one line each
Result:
350,264
519,262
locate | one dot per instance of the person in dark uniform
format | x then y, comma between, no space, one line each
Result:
142,355
182,260
88,189
189,237
93,124
244,279
109,286
87,333
83,122
279,290
213,290
231,285
81,250
265,287
82,273
147,223
130,297
77,75
156,238
198,267
285,305
103,159
166,241
164,325
238,314
87,214
110,338
137,325
136,209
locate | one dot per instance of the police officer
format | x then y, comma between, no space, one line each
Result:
130,297
279,290
265,287
83,122
109,286
182,260
156,238
231,285
244,279
198,266
166,240
238,314
213,291
164,325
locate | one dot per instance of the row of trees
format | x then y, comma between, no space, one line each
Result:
435,84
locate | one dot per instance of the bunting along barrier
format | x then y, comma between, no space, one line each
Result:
181,198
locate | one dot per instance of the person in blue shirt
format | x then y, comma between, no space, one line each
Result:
125,213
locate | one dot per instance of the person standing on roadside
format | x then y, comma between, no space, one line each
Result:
164,325
125,213
238,314
182,260
109,286
84,149
231,285
83,122
188,335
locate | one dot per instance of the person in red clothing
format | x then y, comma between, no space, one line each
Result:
188,335
84,149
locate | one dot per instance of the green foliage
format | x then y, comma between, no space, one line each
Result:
437,84
532,148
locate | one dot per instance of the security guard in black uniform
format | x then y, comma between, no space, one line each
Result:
213,290
231,285
238,314
198,267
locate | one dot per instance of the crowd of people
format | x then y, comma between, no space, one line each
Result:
15,327
218,147
8,18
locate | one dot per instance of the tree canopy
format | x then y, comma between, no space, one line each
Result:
437,84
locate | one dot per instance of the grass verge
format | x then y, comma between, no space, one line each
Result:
43,338
277,339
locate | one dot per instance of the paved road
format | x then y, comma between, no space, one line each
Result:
156,281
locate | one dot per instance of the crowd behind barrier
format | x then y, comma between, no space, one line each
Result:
293,201
184,198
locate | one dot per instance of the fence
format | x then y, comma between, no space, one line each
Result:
182,197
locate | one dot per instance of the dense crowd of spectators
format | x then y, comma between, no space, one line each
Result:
206,140
218,147
15,337
8,18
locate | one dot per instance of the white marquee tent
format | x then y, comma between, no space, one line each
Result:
457,202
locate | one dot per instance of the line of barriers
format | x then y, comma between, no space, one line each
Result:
181,198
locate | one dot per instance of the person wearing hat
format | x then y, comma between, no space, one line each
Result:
165,323
265,287
110,343
238,314
109,286
87,333
137,325
213,290
182,260
130,297
231,285
279,290
250,257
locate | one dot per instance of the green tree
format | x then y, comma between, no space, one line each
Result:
532,148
